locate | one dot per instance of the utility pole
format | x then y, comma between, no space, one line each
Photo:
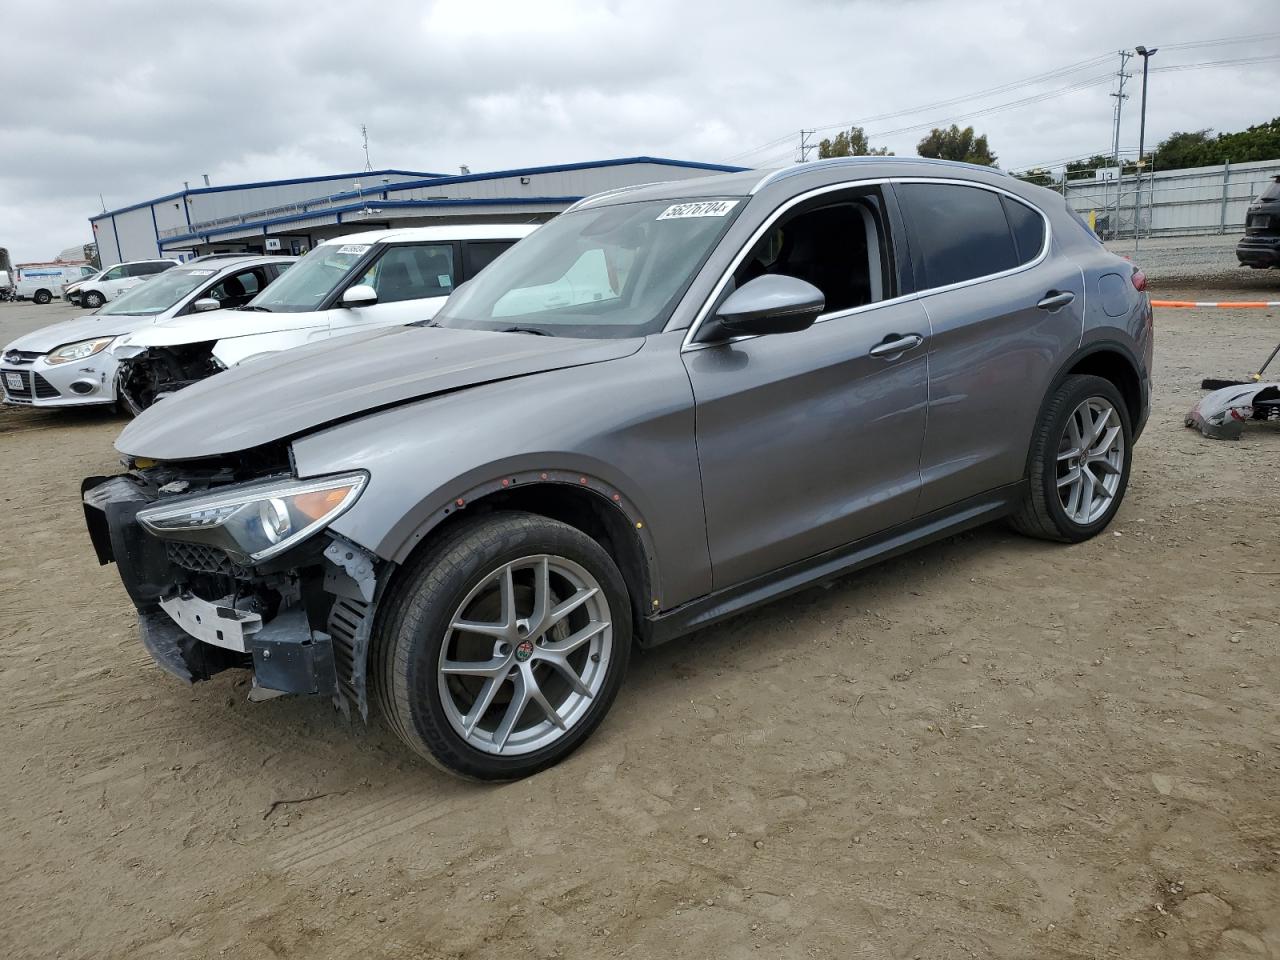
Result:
805,145
1146,55
1120,97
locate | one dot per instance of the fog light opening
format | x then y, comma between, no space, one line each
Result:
83,386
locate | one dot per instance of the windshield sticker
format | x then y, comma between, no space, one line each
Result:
705,208
202,273
354,249
444,280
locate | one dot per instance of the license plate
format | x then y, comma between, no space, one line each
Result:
13,381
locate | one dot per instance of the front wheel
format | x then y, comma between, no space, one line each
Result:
1080,457
504,646
92,300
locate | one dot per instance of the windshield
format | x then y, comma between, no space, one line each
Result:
157,294
1272,192
615,271
311,279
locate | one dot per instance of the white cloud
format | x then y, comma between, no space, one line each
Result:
129,99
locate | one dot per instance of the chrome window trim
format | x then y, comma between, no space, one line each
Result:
688,342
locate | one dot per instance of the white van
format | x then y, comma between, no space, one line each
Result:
42,282
346,285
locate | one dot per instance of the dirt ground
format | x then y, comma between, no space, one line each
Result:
991,748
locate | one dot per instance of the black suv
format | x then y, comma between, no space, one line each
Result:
1260,246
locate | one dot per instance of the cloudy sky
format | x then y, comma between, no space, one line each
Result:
128,99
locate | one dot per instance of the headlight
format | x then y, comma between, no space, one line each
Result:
255,522
78,351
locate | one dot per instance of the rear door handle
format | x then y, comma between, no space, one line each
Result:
894,345
1055,299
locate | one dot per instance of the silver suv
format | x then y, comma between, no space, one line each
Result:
672,403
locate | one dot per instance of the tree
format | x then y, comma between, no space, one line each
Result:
1197,148
851,143
1037,175
957,144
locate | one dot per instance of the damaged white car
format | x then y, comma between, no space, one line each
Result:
346,285
70,364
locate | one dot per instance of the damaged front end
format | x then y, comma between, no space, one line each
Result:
149,374
231,566
1222,414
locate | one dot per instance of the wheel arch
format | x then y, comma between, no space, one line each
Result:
582,501
1113,362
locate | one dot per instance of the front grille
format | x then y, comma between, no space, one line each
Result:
21,356
22,391
17,385
198,558
44,389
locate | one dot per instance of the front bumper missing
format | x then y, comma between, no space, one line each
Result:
193,638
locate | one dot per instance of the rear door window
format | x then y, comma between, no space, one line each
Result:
1028,229
960,232
478,254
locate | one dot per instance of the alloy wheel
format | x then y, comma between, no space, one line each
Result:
1090,460
526,653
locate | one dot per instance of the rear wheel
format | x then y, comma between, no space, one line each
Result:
1080,457
42,297
93,300
504,646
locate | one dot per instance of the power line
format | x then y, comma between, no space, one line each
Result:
920,108
1240,61
1189,44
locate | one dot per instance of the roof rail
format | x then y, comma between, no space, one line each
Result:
795,169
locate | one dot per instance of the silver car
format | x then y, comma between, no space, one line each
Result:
69,364
670,404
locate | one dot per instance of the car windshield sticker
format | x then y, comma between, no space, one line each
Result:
354,249
443,280
202,273
704,208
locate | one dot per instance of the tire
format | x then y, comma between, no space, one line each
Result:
1053,510
92,300
42,297
464,577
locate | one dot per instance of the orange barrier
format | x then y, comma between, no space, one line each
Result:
1230,304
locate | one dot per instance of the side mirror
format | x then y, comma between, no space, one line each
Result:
205,304
773,303
361,295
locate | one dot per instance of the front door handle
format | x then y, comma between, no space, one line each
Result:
893,345
1056,299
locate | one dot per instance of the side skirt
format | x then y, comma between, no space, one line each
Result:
795,577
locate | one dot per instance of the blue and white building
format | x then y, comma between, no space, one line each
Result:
291,216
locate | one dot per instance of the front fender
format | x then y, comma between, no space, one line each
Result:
625,427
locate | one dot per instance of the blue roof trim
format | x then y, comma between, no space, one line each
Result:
437,179
354,207
267,183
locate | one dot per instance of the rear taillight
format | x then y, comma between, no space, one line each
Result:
1139,280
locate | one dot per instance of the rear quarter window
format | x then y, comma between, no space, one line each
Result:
1028,229
960,232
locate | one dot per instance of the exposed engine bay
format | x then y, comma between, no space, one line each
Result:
158,371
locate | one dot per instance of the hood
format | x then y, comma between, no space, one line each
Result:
222,325
296,391
70,331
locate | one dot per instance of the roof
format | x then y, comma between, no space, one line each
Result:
358,199
218,264
254,185
480,231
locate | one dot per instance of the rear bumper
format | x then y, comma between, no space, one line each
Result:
194,638
1259,251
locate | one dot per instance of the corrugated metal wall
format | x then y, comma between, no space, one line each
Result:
1196,200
